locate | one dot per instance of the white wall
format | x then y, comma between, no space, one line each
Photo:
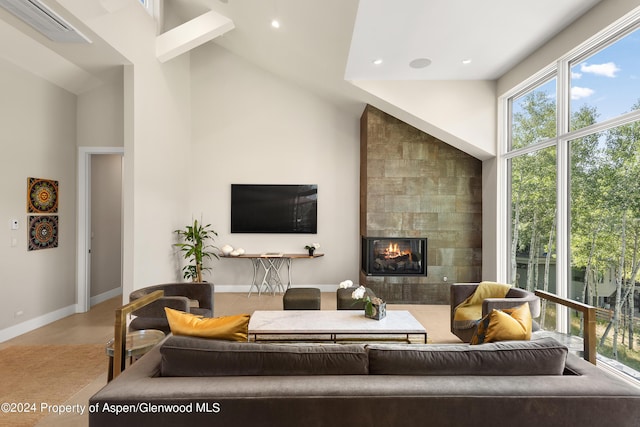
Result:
38,128
491,222
101,116
156,111
460,113
250,126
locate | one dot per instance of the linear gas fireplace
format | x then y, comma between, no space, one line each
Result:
394,256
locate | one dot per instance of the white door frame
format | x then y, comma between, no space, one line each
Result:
83,223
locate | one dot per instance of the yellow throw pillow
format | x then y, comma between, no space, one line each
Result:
231,328
504,325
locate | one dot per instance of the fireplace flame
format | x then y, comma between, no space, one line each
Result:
393,251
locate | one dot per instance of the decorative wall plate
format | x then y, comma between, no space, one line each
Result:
43,232
42,195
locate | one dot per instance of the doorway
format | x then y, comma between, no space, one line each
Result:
99,225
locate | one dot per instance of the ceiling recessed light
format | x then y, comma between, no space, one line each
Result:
377,61
420,63
275,23
466,61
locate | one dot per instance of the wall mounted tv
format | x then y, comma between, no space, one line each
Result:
280,208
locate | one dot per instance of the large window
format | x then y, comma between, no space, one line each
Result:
533,115
573,164
604,84
533,224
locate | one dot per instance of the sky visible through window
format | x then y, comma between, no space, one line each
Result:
608,81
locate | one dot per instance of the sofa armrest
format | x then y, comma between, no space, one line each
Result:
156,308
207,300
503,303
201,292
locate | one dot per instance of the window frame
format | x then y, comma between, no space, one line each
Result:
560,69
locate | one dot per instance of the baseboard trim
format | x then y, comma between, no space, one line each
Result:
105,296
36,322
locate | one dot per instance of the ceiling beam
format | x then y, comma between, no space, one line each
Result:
191,34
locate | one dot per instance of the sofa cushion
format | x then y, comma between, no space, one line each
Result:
233,328
504,325
192,357
545,356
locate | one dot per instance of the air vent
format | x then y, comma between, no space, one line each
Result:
44,20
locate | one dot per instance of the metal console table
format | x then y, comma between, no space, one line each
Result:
266,270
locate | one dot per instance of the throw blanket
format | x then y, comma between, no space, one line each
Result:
469,312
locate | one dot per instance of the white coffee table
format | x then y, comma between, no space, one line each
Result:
334,325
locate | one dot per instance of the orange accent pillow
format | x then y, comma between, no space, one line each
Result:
230,328
504,325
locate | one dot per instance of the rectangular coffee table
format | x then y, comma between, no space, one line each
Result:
334,325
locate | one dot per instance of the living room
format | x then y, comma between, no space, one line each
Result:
186,138
262,128
196,124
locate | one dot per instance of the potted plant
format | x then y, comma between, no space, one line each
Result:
196,248
312,248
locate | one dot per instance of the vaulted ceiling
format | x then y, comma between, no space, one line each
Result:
322,44
326,45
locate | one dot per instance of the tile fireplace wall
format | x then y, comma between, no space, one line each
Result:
414,185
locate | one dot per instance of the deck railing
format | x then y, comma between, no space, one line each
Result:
589,322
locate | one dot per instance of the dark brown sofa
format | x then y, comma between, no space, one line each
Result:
197,382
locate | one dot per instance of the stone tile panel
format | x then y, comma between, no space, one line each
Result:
414,185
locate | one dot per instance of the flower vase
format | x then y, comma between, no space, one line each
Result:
311,251
375,311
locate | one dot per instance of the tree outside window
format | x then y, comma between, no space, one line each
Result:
603,191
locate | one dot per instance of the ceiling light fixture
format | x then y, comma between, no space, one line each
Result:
466,61
377,61
420,63
275,23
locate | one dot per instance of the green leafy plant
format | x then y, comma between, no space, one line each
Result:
196,248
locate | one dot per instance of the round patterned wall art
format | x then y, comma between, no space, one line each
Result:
43,232
42,195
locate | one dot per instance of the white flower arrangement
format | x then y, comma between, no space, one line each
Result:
360,294
346,284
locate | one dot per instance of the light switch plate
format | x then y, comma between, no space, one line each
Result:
14,224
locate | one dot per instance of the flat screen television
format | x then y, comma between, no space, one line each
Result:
279,208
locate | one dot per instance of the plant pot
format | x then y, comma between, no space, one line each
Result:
376,311
311,251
